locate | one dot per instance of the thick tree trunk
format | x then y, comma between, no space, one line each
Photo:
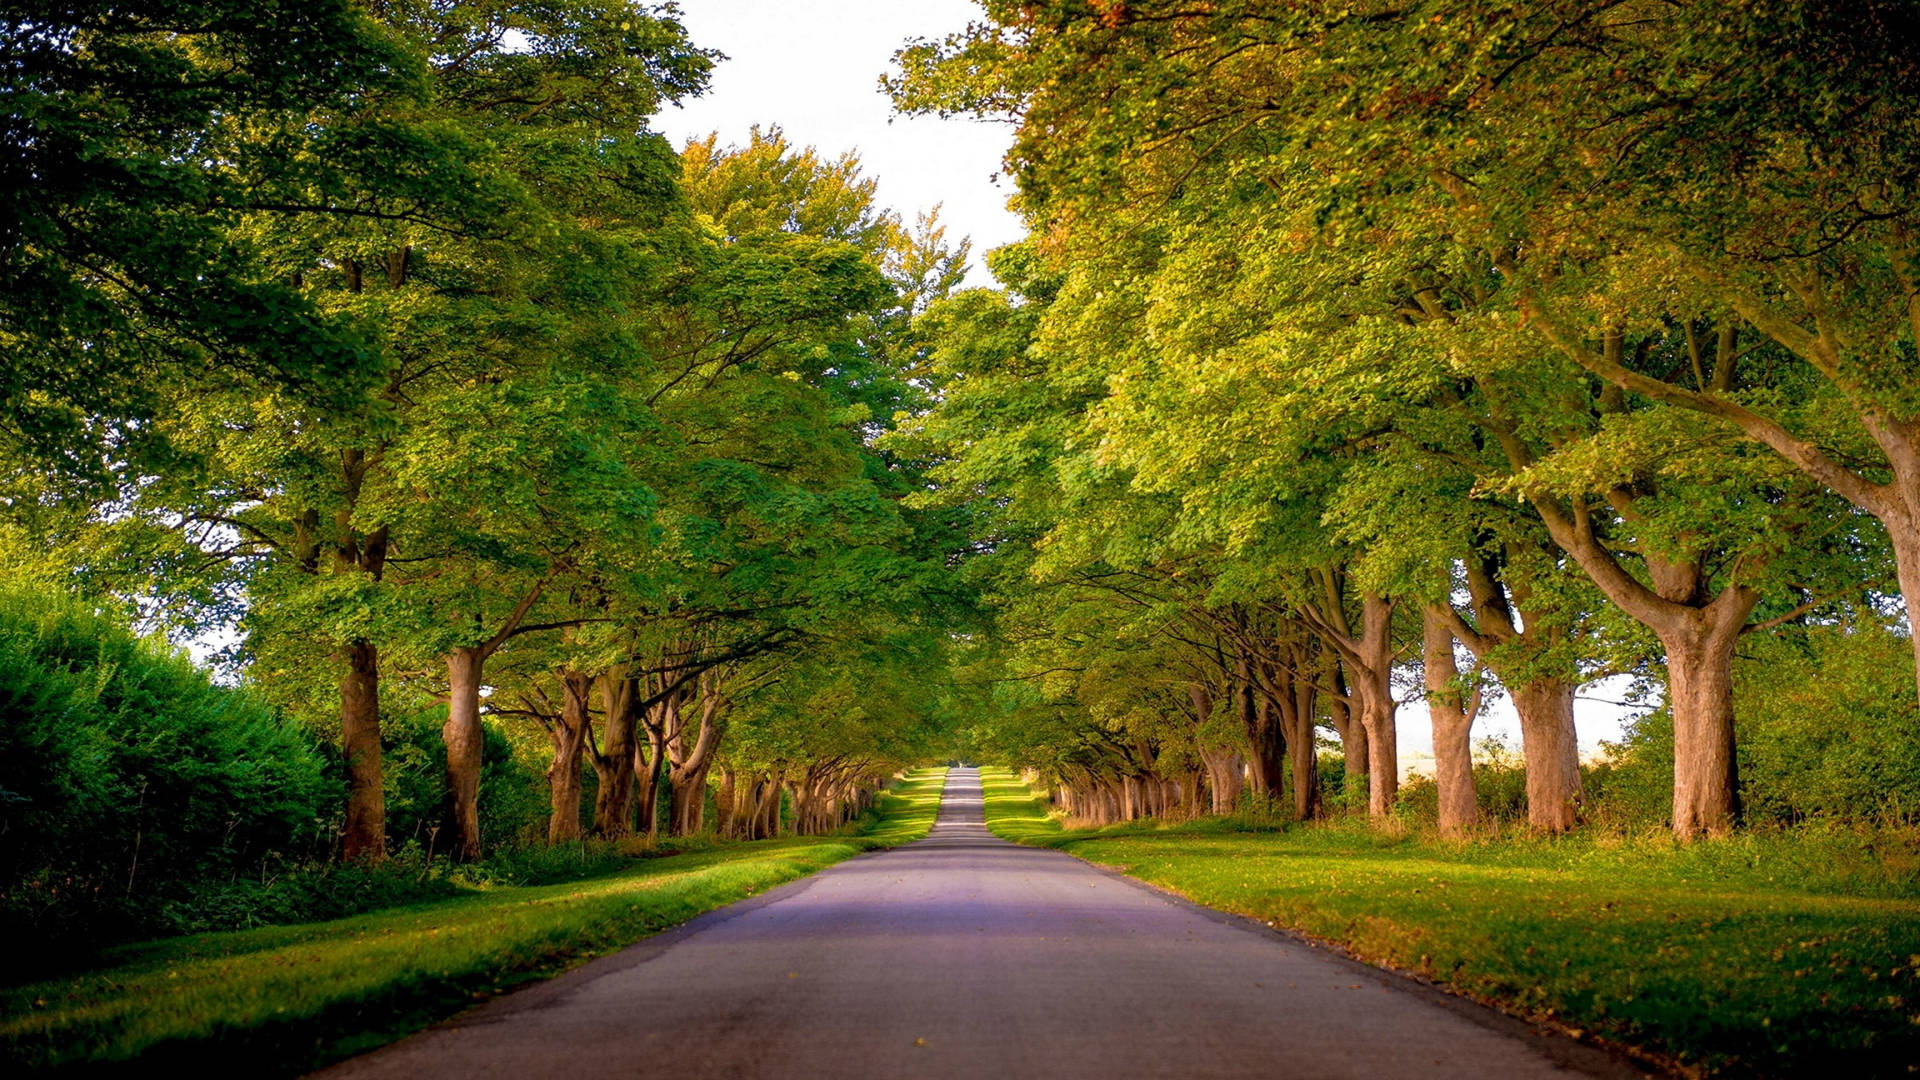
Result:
1452,728
1383,747
1224,771
1699,634
1906,564
1374,683
1306,774
1700,694
649,771
1552,753
613,764
1512,647
726,802
464,735
692,759
365,834
465,740
1266,743
688,795
569,737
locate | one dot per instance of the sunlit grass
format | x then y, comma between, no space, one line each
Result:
1740,957
280,999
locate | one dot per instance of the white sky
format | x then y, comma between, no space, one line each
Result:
813,68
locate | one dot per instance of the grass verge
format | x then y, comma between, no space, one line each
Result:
281,1000
1708,955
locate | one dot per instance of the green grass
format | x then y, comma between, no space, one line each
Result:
1737,956
283,999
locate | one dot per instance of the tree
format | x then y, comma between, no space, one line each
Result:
141,139
1403,221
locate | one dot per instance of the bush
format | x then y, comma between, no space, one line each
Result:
126,773
1499,784
513,793
1828,725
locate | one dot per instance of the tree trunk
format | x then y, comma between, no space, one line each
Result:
1514,647
1306,773
465,740
1223,779
766,812
1355,760
1700,694
688,794
1383,747
365,835
688,779
726,803
1298,699
1906,565
1699,635
613,764
801,792
1552,753
1452,729
1374,682
1266,743
569,737
649,769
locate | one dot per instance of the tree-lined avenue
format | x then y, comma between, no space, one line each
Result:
966,955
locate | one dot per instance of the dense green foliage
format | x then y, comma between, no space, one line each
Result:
128,776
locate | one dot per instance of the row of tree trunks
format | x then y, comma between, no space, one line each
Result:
825,796
1103,799
1296,697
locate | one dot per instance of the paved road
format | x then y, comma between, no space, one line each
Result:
966,956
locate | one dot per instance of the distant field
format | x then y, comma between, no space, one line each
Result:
1790,954
278,1000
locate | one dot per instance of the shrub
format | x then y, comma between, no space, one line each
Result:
125,772
513,800
1828,725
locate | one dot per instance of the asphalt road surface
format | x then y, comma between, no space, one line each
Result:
966,956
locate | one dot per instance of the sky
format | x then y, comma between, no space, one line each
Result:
813,68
